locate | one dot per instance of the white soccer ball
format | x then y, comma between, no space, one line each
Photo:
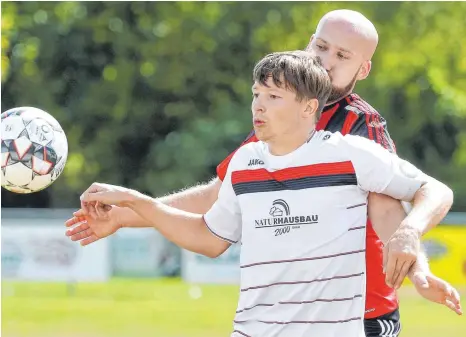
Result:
34,150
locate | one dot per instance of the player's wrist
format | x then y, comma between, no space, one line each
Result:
133,199
410,229
418,268
120,216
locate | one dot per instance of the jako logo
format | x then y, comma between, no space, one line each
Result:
279,208
253,162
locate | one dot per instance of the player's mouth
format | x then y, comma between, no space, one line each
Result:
258,122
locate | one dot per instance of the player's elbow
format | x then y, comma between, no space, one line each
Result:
444,193
213,247
441,194
213,252
448,197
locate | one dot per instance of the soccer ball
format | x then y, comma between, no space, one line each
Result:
34,150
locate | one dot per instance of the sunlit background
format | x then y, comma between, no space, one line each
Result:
152,96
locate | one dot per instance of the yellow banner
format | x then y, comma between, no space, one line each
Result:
446,249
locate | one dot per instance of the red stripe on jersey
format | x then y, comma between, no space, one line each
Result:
369,129
351,118
376,130
325,118
344,167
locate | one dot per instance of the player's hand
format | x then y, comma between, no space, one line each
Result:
436,290
104,195
88,230
400,254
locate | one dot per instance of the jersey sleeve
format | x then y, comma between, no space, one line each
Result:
224,219
223,166
380,171
371,126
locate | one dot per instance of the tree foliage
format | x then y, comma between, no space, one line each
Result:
153,95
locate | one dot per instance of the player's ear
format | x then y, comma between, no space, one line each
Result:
311,108
365,70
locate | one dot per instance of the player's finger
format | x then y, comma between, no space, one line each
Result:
89,240
84,208
450,305
82,235
399,265
391,270
100,210
455,297
92,210
73,221
79,213
78,229
403,272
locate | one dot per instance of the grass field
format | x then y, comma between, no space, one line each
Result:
164,308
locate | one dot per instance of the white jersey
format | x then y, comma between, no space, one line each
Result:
301,221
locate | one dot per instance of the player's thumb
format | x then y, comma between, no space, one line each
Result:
420,280
80,212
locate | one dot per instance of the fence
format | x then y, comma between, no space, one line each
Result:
34,248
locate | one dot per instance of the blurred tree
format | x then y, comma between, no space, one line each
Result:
153,95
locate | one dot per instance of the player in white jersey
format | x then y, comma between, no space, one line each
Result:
285,198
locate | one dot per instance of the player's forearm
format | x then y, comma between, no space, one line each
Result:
126,217
386,215
186,230
430,205
196,199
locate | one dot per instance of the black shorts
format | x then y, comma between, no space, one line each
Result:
387,325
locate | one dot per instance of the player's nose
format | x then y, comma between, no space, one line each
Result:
258,106
326,63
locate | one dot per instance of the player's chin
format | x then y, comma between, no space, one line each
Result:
261,134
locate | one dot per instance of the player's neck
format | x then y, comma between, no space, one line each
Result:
337,100
288,143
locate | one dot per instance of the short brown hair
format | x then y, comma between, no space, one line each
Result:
302,73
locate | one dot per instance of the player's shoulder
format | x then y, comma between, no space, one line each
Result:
325,137
359,106
340,141
246,153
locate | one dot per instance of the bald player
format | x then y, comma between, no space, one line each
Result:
345,41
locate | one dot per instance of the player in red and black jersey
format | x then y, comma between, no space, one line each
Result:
345,41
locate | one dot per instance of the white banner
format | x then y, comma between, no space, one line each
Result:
43,253
201,269
143,252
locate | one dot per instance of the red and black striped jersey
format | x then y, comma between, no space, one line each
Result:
352,115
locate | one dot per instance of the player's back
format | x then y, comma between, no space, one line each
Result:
303,241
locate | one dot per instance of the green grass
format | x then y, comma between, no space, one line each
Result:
163,308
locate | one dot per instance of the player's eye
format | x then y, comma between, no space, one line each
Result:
254,95
341,56
274,96
320,47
